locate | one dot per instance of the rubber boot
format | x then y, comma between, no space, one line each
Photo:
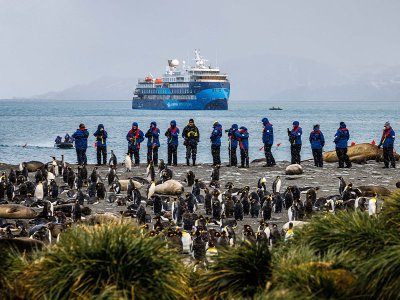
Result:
194,162
187,162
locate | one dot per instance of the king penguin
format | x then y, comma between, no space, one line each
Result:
39,193
276,185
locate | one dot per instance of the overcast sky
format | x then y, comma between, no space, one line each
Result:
48,45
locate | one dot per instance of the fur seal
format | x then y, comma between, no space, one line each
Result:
20,244
16,211
170,187
31,166
294,169
369,191
359,153
124,184
295,224
101,218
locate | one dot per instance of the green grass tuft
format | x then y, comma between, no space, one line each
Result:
299,270
355,232
380,275
391,209
237,273
110,261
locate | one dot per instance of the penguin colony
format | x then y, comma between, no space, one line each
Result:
196,216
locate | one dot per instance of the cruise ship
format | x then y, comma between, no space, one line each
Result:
199,87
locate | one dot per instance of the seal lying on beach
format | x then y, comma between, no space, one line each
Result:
125,182
31,166
101,218
359,153
16,211
20,244
170,187
294,169
369,190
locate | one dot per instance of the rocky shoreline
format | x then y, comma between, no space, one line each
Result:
370,174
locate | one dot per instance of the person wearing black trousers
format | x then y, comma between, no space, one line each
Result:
153,143
243,138
215,139
101,144
268,140
233,143
191,135
387,141
172,135
134,137
295,142
317,142
341,138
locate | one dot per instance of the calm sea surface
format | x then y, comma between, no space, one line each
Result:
37,123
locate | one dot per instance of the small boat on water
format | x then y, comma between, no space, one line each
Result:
64,145
68,142
275,108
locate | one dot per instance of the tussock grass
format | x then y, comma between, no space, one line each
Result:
355,232
108,262
11,265
380,275
237,273
300,270
391,210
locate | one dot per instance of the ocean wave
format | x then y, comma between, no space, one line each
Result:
26,146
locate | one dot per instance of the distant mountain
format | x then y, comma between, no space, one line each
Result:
105,88
267,78
260,77
384,85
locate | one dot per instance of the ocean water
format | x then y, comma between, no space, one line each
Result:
37,123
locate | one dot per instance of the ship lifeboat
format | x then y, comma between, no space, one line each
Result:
158,81
148,79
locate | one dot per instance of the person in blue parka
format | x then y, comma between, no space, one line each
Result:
81,135
387,142
101,144
134,137
317,142
342,136
243,138
295,142
215,139
268,140
233,143
172,135
153,143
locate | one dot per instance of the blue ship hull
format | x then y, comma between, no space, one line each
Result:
172,104
208,96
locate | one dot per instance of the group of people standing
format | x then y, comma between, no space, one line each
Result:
237,136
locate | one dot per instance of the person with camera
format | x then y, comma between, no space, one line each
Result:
153,143
295,142
268,140
172,135
317,142
341,138
215,139
101,144
81,135
134,137
242,136
191,136
387,142
233,143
